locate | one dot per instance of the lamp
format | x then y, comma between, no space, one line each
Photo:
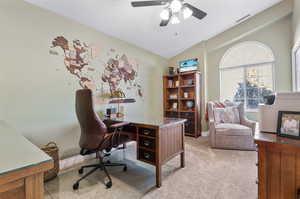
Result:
165,14
176,6
175,19
186,12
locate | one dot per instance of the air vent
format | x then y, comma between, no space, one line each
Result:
243,18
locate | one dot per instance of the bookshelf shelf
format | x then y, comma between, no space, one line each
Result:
187,88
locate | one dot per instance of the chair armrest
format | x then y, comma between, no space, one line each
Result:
249,123
118,125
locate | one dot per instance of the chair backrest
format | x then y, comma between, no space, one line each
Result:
212,105
92,127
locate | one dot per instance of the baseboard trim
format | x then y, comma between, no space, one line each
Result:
74,160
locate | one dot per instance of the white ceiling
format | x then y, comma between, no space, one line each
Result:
140,26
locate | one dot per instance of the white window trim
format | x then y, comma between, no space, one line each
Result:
294,68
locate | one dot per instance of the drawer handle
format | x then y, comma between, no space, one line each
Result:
147,132
256,164
147,155
147,143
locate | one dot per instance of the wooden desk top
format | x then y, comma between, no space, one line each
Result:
17,152
273,138
148,120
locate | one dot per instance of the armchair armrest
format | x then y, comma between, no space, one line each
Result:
118,125
249,123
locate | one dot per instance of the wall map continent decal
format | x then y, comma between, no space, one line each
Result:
111,73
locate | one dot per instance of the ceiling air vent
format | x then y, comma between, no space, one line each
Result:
243,18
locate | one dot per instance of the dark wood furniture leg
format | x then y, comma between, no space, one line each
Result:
158,176
182,160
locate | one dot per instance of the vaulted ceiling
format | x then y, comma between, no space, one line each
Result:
140,26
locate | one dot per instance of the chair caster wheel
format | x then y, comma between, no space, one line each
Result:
125,168
80,171
75,186
108,185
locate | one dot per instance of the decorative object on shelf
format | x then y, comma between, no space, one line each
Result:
188,65
120,98
111,112
170,83
174,106
171,70
189,104
288,124
173,96
185,94
52,150
177,83
189,82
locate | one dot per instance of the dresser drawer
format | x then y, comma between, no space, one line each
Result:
147,142
149,156
147,132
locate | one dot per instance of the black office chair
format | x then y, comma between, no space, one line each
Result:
96,136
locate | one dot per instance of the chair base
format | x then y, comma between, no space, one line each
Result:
101,166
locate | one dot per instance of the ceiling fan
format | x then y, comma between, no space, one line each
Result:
173,10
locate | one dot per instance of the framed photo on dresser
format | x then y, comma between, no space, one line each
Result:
288,124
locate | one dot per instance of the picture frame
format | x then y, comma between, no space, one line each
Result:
288,124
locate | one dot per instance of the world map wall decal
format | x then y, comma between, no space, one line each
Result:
114,71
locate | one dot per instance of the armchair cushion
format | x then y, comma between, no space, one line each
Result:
232,129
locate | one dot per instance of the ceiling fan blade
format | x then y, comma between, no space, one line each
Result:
196,12
164,23
148,3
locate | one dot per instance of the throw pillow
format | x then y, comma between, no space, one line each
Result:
231,115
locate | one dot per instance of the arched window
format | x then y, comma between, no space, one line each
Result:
246,74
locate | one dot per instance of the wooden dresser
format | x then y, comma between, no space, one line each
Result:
278,167
179,90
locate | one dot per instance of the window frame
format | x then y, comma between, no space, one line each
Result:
296,79
223,68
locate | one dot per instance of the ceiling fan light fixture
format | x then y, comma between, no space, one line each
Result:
165,14
187,12
175,19
176,6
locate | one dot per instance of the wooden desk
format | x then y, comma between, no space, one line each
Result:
22,166
158,140
278,166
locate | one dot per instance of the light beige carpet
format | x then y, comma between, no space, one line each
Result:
209,174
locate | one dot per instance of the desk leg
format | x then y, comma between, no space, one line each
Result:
158,176
182,160
34,186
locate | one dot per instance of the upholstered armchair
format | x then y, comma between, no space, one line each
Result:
229,128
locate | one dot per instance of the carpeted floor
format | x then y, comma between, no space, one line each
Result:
209,174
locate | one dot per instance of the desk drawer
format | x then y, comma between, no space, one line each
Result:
147,142
149,156
147,132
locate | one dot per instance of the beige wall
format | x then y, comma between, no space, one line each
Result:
272,27
38,92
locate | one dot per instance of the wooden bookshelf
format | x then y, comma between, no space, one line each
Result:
190,83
